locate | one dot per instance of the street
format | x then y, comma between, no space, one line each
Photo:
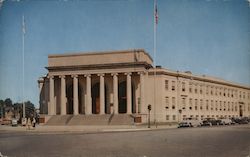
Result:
221,141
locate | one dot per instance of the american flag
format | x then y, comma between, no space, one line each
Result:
156,13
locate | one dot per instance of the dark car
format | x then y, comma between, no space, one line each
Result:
240,120
184,125
206,123
213,121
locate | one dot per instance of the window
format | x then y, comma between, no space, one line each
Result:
173,102
216,91
183,103
201,104
200,89
207,105
166,84
196,104
195,89
190,87
212,92
190,103
207,90
216,105
183,86
167,102
173,85
228,106
220,106
174,117
236,108
167,117
224,105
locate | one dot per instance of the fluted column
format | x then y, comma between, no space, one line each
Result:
63,96
142,94
51,108
75,95
115,92
102,93
88,105
129,93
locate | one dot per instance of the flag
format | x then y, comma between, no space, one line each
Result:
23,26
156,13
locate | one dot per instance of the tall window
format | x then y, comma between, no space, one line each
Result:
173,102
195,89
207,90
166,84
183,103
207,105
190,87
167,102
173,85
174,117
167,117
200,89
190,103
201,104
183,86
196,104
216,105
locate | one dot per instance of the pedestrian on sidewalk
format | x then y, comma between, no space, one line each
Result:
34,122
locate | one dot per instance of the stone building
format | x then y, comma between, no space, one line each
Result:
125,82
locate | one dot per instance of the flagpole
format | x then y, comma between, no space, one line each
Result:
23,34
154,63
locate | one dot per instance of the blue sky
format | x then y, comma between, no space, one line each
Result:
210,37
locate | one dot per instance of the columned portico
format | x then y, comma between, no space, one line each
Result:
88,105
129,100
102,93
142,95
63,95
115,92
51,108
75,95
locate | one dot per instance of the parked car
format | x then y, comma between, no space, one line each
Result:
240,120
226,121
206,123
14,122
211,121
193,122
183,125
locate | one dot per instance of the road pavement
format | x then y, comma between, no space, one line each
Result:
221,141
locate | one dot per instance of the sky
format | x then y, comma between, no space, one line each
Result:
210,37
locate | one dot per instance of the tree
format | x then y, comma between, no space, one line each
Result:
8,102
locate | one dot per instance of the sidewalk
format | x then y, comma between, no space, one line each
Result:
83,129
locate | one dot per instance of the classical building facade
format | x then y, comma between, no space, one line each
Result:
125,82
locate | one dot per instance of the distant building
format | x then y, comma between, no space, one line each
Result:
125,82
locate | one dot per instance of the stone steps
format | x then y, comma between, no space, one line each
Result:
107,119
59,120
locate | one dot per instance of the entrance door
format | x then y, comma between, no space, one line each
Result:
240,110
122,98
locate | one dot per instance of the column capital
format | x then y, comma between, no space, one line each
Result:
50,77
114,74
62,76
101,74
73,76
127,73
87,75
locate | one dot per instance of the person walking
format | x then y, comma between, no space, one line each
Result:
34,122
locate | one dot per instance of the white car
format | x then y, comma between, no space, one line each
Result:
193,122
226,121
14,122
